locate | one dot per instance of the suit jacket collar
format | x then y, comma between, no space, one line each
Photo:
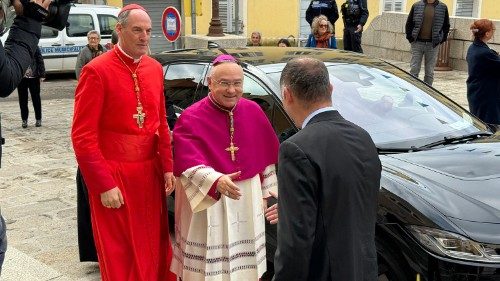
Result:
325,116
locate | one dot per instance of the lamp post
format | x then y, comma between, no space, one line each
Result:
215,28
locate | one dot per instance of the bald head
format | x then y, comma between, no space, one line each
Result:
308,80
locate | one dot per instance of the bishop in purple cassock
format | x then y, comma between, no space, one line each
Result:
220,231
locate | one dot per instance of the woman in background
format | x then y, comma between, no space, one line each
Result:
322,34
31,82
483,83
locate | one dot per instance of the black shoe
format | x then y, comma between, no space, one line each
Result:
25,124
38,123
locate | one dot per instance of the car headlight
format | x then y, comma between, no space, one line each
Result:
453,245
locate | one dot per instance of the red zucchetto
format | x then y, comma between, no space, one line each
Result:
132,7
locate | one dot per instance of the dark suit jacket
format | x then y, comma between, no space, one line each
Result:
328,180
483,84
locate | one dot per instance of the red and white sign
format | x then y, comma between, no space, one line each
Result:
171,24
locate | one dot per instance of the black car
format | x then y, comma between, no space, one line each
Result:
439,202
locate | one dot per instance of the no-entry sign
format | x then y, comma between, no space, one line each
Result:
171,24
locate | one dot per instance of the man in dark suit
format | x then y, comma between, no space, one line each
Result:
328,179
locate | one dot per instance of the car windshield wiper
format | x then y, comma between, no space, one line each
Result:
448,140
395,150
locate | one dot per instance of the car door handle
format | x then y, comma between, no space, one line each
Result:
56,45
70,44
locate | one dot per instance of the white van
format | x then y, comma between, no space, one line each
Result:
60,48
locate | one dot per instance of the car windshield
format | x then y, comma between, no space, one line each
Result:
395,112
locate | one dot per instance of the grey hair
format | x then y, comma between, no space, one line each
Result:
257,33
307,79
123,17
93,32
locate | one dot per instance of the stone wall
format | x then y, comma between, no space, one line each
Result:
385,38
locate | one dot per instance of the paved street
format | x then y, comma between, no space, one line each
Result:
37,187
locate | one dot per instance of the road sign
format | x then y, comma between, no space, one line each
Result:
171,24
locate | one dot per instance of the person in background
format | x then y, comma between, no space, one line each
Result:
123,148
114,41
427,26
328,182
354,14
322,34
483,83
322,7
89,52
283,42
31,82
255,39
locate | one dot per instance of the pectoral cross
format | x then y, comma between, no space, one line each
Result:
232,149
140,116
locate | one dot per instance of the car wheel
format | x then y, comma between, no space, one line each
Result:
392,266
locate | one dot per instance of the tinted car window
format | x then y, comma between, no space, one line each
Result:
182,86
394,111
48,32
106,25
254,90
79,25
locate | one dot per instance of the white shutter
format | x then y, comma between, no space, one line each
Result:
226,15
393,5
388,5
465,8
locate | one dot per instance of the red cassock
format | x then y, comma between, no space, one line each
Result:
133,241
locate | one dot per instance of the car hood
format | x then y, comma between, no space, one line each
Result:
461,181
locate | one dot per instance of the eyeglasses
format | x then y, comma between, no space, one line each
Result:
323,25
93,38
226,84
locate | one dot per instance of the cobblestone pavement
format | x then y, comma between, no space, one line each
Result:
37,186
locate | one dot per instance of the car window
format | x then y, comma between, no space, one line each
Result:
48,32
106,25
393,110
254,90
182,84
79,25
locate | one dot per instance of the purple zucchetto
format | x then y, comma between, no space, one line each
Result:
223,58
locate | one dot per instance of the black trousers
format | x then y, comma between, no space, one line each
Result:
3,241
352,39
33,85
86,244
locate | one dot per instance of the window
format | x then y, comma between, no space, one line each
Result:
106,25
393,5
229,14
183,87
48,32
254,91
79,25
467,8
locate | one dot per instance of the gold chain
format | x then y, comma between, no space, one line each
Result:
231,149
134,77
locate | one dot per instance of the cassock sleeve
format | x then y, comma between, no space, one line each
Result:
165,148
89,99
269,181
197,182
297,211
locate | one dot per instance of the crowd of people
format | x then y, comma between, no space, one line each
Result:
223,176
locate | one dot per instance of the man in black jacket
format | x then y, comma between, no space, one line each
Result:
328,181
322,7
355,14
427,26
14,60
